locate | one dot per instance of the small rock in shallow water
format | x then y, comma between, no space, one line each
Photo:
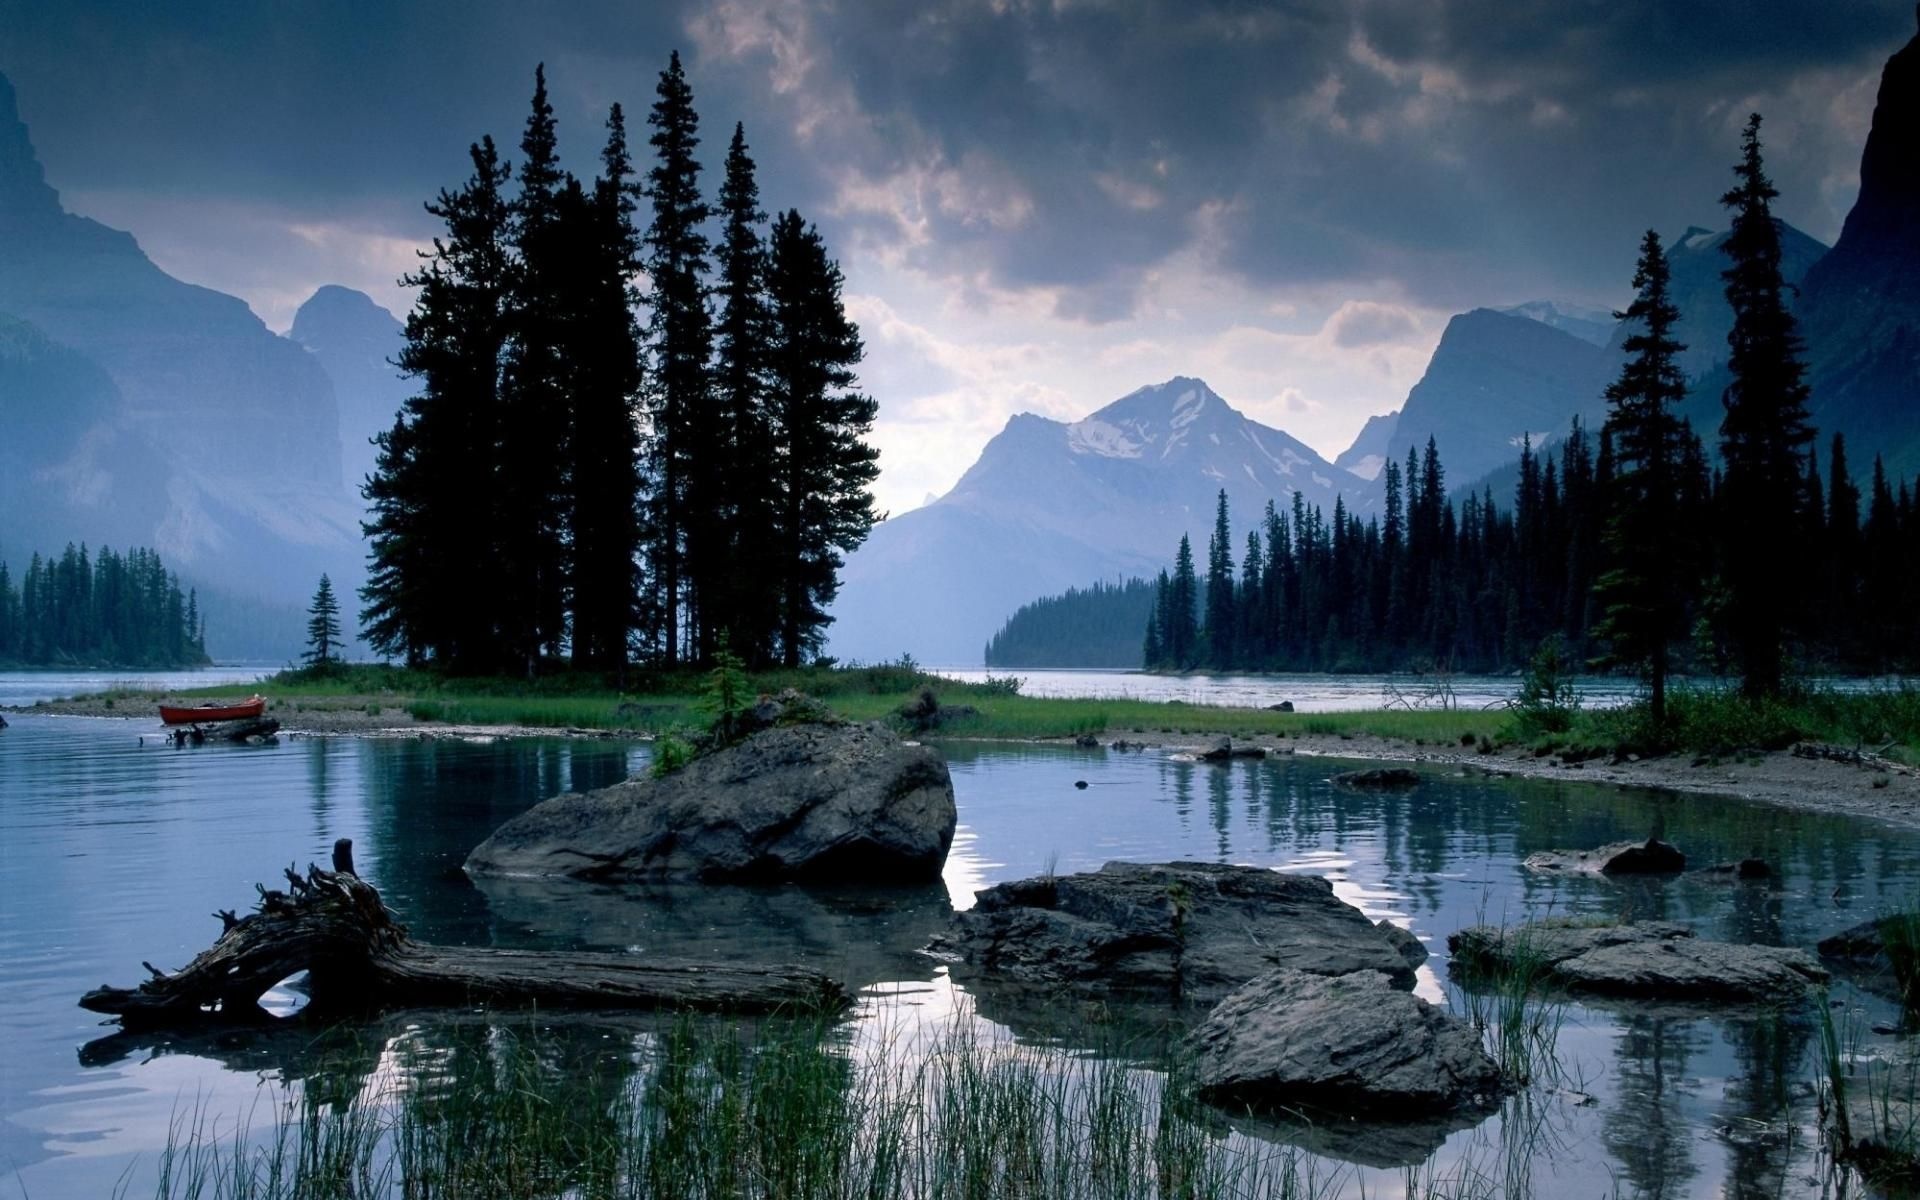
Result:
1651,857
1642,960
1081,784
1379,777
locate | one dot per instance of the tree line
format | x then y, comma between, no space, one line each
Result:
604,471
99,609
1097,626
1636,548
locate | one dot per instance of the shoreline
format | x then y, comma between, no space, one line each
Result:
1885,792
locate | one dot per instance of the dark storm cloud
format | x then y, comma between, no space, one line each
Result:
1450,151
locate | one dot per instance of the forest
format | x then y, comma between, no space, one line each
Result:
100,609
627,442
1638,550
1098,626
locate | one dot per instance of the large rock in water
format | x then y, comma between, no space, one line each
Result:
825,802
1347,1043
1193,931
1647,960
1651,857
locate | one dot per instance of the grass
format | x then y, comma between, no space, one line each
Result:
793,1110
1717,724
661,703
1870,1105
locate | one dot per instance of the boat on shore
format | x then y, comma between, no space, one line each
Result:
213,711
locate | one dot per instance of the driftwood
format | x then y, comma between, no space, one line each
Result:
1853,755
333,925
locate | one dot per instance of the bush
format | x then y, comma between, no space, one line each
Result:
1547,701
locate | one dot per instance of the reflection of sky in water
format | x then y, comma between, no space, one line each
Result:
110,854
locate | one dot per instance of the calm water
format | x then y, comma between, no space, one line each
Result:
111,853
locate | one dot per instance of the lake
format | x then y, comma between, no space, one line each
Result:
112,853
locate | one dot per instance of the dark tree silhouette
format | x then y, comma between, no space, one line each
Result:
824,468
323,627
1646,587
1764,434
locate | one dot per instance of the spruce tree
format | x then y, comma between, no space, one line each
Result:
606,381
431,581
323,627
823,468
535,427
679,465
1220,607
1645,589
1764,433
1181,643
746,606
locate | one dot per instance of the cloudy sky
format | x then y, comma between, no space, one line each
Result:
1039,204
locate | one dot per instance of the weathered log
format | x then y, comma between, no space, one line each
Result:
333,926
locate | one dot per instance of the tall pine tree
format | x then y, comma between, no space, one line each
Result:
1645,588
679,466
823,467
431,578
746,607
323,627
605,379
1764,434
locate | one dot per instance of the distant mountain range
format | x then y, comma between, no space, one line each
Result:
141,410
1049,505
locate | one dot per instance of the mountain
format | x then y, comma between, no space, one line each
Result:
1860,306
356,342
1588,324
1051,505
165,414
1494,378
1367,457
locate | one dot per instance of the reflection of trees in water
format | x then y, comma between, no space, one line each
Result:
1646,1128
1758,1126
430,802
1220,807
319,789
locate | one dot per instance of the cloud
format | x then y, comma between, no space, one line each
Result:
1364,323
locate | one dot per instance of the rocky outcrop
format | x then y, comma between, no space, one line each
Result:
1345,1043
1651,857
1648,960
1189,931
829,803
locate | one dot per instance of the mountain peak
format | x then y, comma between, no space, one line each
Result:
24,193
334,313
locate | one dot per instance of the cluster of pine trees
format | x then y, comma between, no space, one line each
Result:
573,479
1640,552
102,609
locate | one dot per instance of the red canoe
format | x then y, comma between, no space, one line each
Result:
239,710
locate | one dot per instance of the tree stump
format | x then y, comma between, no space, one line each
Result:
333,926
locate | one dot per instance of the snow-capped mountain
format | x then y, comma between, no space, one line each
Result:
1050,505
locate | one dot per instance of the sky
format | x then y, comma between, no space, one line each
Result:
1039,205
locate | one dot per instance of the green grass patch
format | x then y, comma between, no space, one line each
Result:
1723,724
661,702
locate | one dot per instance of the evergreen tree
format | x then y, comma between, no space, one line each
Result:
823,467
1154,652
604,347
679,464
1764,433
431,583
1181,640
535,426
747,607
323,627
1645,590
1220,606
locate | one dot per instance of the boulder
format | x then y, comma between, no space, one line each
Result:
1379,777
831,803
1191,931
1642,960
1347,1043
925,714
1410,946
1651,857
1224,750
1283,706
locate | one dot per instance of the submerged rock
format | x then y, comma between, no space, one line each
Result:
1651,857
829,803
1191,931
1379,777
1645,960
1348,1043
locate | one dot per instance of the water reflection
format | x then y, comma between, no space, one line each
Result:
110,854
